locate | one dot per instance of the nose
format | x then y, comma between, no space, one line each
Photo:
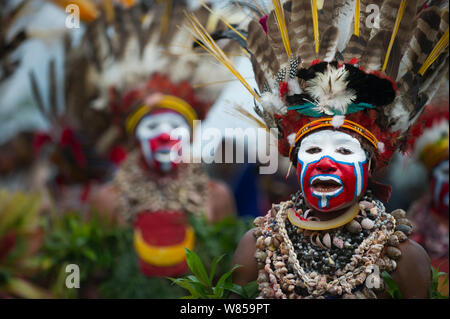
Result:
164,137
326,166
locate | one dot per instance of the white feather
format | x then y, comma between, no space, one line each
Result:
338,121
332,99
291,139
344,23
400,116
381,147
294,87
273,104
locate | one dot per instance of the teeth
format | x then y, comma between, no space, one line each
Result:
326,179
163,156
332,185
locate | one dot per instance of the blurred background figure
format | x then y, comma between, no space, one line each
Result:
156,82
430,212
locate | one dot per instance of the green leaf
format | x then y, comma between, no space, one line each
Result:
194,288
216,260
197,268
220,287
251,290
237,289
393,290
89,253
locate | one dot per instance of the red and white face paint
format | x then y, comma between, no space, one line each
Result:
440,188
154,135
332,170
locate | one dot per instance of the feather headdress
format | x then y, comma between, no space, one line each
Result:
143,50
368,67
9,14
124,56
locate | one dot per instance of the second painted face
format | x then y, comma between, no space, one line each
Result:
332,170
154,136
440,188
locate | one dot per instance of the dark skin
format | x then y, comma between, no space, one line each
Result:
413,275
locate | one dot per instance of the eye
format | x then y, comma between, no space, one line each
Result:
344,151
314,150
152,126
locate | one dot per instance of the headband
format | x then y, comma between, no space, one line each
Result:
167,102
327,122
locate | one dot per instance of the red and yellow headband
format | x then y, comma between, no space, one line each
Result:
327,122
167,102
435,153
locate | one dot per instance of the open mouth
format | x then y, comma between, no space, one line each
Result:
163,156
325,184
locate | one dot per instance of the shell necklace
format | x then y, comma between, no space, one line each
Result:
298,263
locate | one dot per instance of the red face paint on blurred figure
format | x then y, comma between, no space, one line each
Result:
154,135
440,188
332,170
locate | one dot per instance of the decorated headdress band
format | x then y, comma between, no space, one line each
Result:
430,136
435,153
167,102
328,122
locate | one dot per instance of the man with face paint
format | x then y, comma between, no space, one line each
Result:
340,117
429,213
153,190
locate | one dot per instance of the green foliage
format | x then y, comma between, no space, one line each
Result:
393,289
217,239
212,240
91,243
434,287
434,292
127,282
20,239
201,283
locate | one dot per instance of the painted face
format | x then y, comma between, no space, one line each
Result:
332,170
440,187
153,133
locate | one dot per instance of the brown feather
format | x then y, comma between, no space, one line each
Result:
301,31
257,42
275,39
328,44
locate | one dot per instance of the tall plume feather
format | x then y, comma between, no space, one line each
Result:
301,31
417,90
367,18
276,39
263,53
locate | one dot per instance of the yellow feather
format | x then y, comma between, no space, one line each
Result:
281,21
357,13
205,40
438,49
315,17
400,13
224,21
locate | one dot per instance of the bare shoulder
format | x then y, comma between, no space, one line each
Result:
221,201
106,201
244,256
413,273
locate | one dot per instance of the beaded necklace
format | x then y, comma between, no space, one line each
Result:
139,191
